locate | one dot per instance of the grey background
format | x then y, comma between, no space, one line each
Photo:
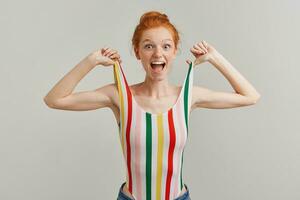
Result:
246,153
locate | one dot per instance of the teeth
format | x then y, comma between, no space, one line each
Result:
157,63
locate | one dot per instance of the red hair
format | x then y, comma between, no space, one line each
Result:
153,19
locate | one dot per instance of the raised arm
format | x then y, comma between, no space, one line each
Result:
61,96
244,95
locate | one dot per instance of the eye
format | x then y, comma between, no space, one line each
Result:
148,46
167,46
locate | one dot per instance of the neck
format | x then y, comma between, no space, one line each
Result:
155,88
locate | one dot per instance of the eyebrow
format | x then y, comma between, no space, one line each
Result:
150,40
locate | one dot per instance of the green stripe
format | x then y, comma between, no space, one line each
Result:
186,94
148,155
181,184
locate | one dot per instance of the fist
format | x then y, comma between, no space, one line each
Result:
202,52
105,56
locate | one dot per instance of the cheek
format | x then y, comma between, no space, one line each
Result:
171,56
145,56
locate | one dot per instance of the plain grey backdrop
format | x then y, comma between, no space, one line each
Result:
246,153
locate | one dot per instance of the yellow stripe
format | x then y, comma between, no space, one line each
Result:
117,78
159,155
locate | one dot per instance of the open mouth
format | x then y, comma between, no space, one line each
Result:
158,66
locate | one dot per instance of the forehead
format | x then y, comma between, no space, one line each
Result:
158,34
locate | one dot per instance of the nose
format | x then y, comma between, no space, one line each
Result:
157,52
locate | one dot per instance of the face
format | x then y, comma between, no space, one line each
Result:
156,51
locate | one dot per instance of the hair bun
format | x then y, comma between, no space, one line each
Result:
154,14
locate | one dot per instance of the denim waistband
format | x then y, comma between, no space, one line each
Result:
124,196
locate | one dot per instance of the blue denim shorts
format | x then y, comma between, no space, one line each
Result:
123,196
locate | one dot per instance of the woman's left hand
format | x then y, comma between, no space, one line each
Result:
203,52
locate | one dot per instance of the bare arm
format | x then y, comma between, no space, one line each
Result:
206,98
245,94
235,78
61,96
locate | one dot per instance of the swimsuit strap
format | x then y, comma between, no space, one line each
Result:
125,100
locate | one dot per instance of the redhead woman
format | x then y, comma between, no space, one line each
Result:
153,115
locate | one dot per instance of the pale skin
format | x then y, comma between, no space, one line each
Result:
155,94
157,89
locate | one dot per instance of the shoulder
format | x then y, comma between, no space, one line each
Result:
134,87
112,92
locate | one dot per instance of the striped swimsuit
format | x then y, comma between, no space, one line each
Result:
153,143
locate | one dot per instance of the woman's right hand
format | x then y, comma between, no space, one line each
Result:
104,56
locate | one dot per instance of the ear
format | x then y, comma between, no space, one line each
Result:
137,54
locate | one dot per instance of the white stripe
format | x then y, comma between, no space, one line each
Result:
143,153
154,156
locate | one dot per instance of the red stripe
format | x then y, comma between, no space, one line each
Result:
170,154
129,101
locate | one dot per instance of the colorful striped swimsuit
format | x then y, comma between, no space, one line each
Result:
153,143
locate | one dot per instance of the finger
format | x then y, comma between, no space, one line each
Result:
202,47
114,56
196,51
107,51
188,62
111,52
196,47
206,49
104,49
205,43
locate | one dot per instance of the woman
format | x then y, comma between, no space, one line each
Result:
152,115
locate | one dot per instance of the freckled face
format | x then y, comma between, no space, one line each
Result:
156,52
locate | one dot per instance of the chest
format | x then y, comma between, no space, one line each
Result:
153,105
